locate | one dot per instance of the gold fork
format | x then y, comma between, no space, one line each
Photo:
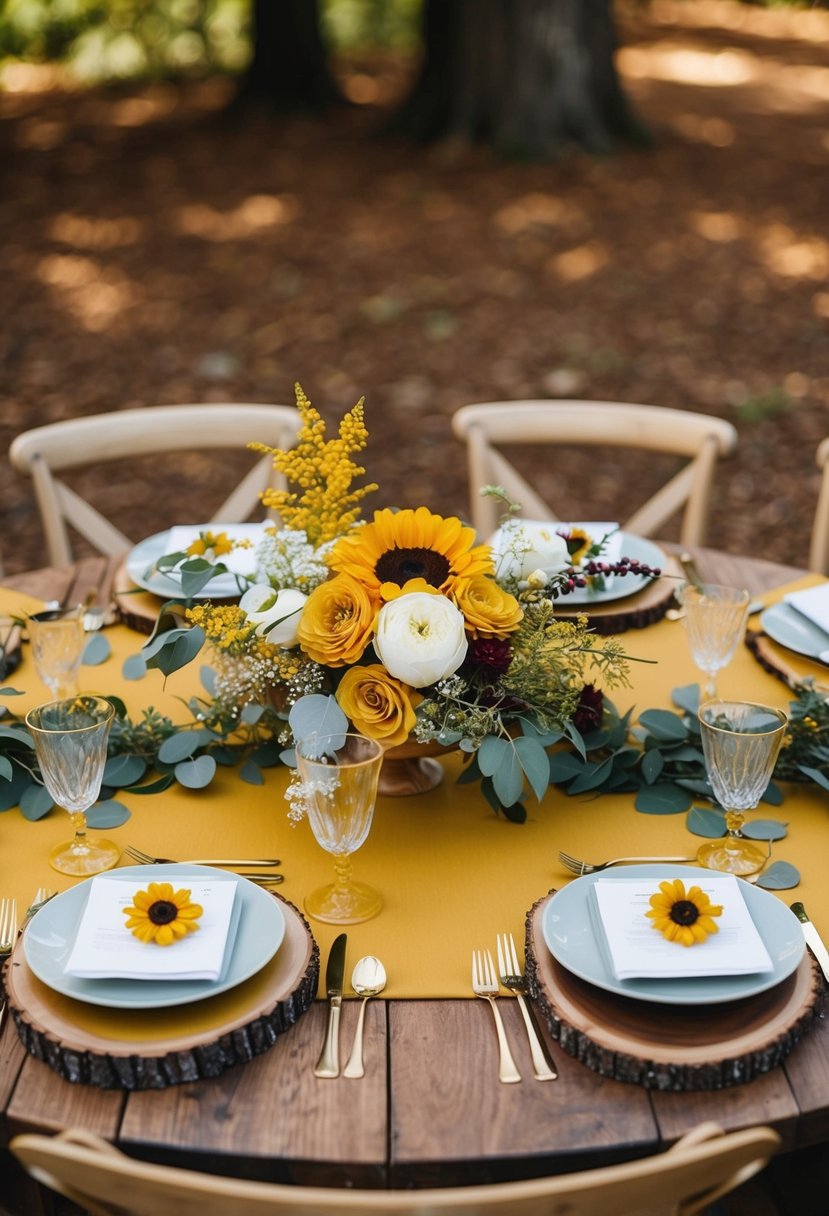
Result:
485,985
512,978
145,859
8,934
592,867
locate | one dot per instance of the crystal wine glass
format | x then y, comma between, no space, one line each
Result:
57,639
339,775
715,618
70,739
740,741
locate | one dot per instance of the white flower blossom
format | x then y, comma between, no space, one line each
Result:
287,558
524,548
420,638
276,614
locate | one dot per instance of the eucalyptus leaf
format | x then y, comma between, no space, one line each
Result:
180,746
592,777
108,813
704,822
197,573
663,724
663,798
12,791
492,753
196,774
123,770
251,773
96,651
533,760
207,675
316,714
564,766
266,755
6,769
8,691
152,787
781,876
687,697
814,774
508,779
134,667
765,829
251,714
35,802
653,763
18,733
174,649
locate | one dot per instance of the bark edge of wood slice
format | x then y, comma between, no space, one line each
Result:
279,994
669,1047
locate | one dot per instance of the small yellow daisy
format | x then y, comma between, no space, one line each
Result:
683,917
162,915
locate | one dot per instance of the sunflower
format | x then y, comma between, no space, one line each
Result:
578,543
162,915
400,546
683,917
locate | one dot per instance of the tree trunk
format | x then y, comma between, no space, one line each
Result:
289,69
527,76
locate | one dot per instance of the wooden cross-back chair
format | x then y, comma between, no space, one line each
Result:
488,427
703,1165
819,548
46,451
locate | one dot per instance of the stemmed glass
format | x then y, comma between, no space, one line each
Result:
715,618
57,639
70,738
740,741
339,786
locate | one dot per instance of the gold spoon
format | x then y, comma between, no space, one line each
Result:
368,979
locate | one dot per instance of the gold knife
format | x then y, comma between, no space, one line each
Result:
813,938
328,1065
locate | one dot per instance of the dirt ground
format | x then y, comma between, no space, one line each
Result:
155,252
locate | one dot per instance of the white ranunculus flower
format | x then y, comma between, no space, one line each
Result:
276,614
420,638
522,547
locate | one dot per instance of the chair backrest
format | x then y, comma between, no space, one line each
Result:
702,1166
819,548
700,439
45,451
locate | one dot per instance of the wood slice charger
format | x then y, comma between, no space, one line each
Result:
669,1047
154,1048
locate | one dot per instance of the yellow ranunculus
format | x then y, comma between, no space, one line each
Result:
489,611
380,707
337,622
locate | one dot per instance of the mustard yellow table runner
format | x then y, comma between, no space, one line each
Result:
452,874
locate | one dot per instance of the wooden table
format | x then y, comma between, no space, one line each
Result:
433,1112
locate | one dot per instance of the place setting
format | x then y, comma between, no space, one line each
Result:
792,641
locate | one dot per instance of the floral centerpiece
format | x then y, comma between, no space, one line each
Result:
406,627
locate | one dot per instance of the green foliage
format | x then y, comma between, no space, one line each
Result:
123,39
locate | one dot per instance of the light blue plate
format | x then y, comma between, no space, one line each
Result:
617,587
795,631
141,570
49,938
568,932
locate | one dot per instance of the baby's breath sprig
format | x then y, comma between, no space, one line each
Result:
324,505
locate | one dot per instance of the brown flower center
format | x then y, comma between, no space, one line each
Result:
400,565
162,912
684,912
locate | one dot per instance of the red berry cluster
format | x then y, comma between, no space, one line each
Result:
572,579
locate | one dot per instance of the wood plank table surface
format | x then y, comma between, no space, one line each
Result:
433,1112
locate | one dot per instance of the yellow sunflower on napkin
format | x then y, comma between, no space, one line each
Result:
162,915
680,916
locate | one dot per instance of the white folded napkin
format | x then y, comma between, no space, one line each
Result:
812,603
239,561
105,948
636,950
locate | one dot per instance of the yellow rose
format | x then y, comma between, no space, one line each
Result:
379,707
488,610
337,622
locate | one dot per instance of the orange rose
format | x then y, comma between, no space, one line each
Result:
337,622
488,610
379,707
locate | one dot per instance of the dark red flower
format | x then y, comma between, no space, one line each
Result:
588,715
493,654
